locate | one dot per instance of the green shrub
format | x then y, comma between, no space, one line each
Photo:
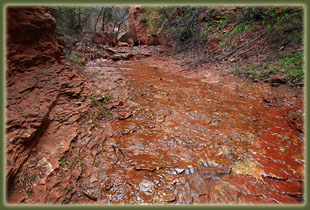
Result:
292,65
75,57
99,109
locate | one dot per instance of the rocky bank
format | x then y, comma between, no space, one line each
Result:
45,95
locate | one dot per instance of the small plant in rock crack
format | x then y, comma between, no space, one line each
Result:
83,167
74,139
110,112
68,190
94,74
57,184
78,159
101,102
105,79
100,108
107,98
89,192
93,98
62,162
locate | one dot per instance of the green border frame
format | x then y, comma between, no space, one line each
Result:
3,4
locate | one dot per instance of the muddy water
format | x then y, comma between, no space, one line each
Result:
183,141
173,140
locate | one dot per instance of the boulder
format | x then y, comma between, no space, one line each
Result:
129,38
105,38
280,80
123,44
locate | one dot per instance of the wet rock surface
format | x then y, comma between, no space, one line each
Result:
171,139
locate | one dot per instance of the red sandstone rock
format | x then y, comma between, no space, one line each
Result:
129,38
123,44
105,38
233,60
136,25
31,38
43,101
279,80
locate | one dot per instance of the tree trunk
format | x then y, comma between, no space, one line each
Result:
97,22
79,16
103,19
120,24
73,18
115,20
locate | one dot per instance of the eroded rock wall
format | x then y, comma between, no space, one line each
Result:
137,25
30,38
39,85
